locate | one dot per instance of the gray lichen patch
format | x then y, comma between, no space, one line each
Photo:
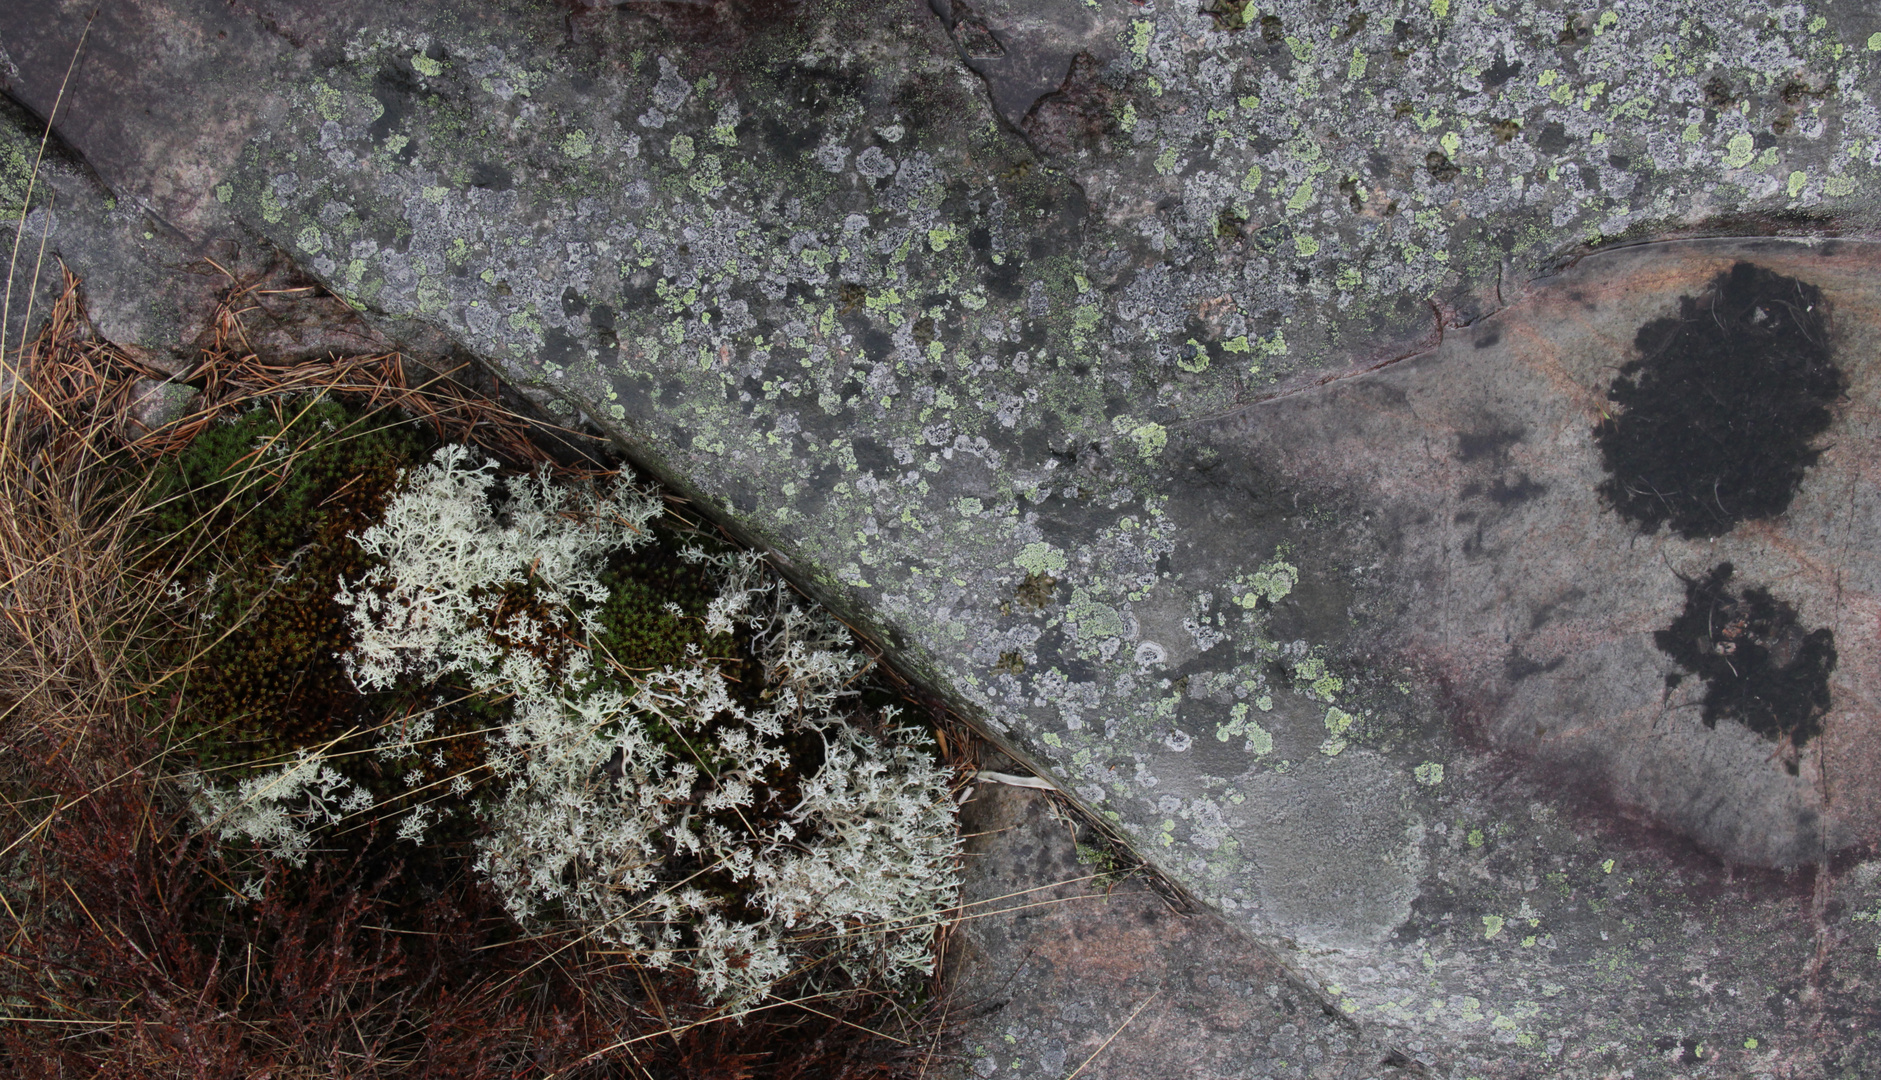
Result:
1357,159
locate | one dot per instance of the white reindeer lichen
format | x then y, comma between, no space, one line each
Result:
624,803
280,808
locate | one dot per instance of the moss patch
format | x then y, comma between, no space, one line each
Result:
253,517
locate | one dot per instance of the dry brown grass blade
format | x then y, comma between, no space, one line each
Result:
71,602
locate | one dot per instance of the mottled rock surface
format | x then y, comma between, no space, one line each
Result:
1066,960
1221,420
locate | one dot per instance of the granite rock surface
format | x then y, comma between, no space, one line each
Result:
1223,406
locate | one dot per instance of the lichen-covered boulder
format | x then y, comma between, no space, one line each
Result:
1205,399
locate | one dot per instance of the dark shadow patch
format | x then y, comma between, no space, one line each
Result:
1760,667
790,142
1440,167
1500,72
561,349
491,176
638,290
875,342
395,87
1487,339
1002,280
1554,138
1503,493
1547,611
573,303
1519,667
1486,445
1271,237
1715,418
601,320
873,457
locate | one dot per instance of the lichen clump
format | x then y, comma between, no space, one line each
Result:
714,800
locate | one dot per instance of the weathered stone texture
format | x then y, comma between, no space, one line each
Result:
1055,419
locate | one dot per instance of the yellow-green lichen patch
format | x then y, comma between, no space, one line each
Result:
1738,151
1273,582
1041,559
1338,722
1259,741
1302,197
1319,683
327,101
681,150
1141,32
708,179
1149,437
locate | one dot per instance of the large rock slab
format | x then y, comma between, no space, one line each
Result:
1065,961
1219,426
